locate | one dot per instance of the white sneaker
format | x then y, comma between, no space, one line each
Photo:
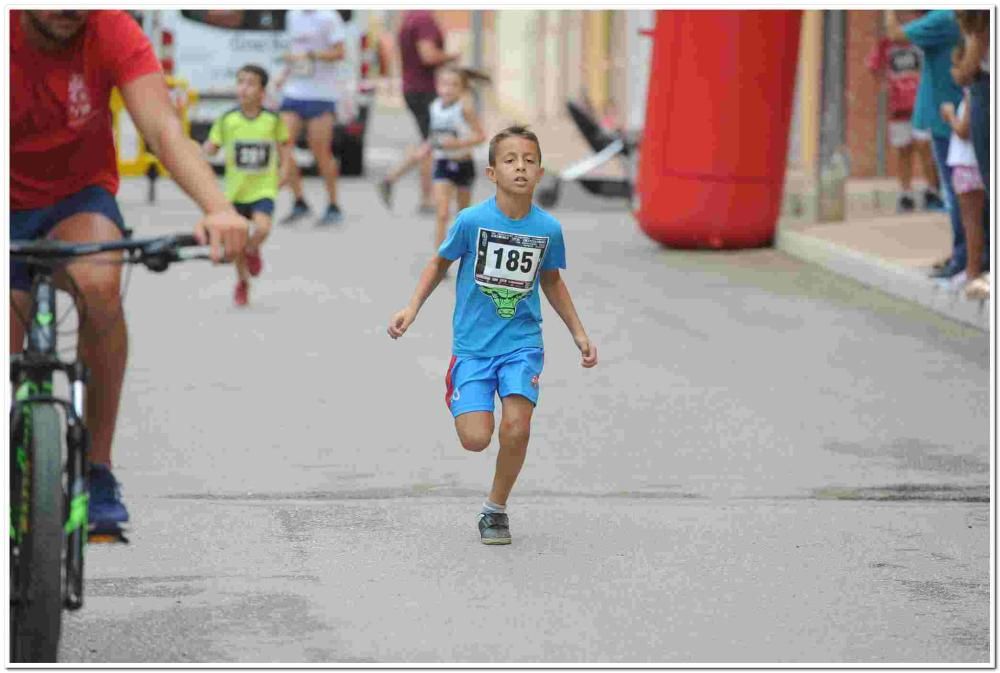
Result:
953,284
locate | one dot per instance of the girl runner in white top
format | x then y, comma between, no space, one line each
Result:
455,128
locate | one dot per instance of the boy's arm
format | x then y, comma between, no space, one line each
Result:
558,295
430,278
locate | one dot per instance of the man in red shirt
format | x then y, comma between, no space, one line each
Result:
421,47
64,175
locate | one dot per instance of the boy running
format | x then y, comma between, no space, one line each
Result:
505,243
253,137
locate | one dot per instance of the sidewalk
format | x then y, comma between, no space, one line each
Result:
881,249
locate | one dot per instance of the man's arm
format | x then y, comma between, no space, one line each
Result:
148,102
968,67
430,278
209,148
431,56
893,30
558,295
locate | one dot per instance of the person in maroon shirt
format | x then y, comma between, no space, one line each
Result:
421,47
63,177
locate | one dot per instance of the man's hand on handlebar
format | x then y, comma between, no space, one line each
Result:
225,231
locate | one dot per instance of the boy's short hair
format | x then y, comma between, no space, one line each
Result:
510,132
256,70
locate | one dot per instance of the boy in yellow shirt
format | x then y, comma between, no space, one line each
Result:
253,138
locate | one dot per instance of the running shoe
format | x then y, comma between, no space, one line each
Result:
330,217
105,509
299,210
905,204
933,202
494,528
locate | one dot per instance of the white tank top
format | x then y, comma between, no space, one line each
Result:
960,151
449,122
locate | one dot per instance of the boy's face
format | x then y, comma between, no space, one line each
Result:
518,167
248,88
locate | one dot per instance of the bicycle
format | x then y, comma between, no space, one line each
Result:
49,526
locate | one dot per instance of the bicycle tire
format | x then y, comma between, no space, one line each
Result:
36,617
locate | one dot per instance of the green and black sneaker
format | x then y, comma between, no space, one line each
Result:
494,528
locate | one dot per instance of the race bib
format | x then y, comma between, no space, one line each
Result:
253,157
506,260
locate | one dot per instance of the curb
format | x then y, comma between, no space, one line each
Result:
889,278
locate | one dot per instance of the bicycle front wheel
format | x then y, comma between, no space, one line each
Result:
36,533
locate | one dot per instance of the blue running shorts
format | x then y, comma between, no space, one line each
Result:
473,382
307,109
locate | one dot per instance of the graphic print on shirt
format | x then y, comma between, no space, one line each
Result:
78,105
506,267
252,156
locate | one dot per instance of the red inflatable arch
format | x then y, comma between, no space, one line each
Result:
713,154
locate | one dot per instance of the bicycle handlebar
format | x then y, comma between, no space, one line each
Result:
156,254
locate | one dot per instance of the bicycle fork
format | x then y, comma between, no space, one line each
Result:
33,377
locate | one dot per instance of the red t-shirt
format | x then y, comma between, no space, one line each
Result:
418,24
60,122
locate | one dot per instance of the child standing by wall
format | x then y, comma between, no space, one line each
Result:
900,65
970,191
253,138
507,247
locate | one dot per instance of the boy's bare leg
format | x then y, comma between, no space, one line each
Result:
443,193
261,230
906,167
242,272
475,429
515,429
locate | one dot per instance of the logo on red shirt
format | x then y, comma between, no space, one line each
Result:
79,107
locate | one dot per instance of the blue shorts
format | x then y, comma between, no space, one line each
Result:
30,225
459,172
247,210
472,382
307,109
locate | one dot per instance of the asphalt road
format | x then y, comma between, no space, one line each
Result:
770,464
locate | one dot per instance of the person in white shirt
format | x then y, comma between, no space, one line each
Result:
310,86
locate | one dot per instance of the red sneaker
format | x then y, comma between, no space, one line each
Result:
254,263
242,295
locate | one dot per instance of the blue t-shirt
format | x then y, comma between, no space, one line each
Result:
497,309
936,33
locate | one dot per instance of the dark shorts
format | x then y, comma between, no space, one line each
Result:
308,109
419,103
247,210
460,173
30,225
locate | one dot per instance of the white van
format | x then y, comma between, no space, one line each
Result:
208,47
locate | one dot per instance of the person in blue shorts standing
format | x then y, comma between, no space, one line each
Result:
508,247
